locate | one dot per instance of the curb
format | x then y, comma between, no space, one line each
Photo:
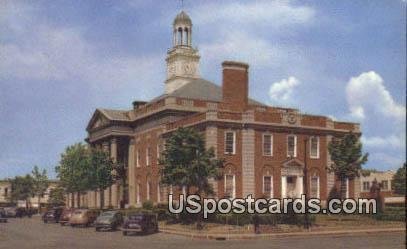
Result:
280,235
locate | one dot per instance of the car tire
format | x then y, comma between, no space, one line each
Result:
124,233
97,229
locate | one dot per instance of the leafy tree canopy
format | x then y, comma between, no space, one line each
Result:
22,188
399,181
187,163
73,168
56,196
347,157
40,181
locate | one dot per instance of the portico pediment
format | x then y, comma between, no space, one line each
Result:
292,167
293,163
98,120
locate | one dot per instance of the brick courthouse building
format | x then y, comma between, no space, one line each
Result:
263,145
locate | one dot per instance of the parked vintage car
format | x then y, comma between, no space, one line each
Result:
140,222
3,217
108,220
53,215
83,217
65,216
11,212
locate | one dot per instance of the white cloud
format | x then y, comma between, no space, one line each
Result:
281,91
271,13
392,141
50,52
237,45
366,93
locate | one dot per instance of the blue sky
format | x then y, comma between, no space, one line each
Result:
59,60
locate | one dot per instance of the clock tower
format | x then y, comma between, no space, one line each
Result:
182,59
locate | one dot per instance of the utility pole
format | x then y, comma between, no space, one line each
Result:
305,173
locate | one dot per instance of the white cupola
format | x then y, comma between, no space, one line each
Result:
182,59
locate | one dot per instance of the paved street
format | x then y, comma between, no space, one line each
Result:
33,234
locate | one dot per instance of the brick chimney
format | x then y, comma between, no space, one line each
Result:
235,86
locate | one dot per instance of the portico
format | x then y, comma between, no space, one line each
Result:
292,174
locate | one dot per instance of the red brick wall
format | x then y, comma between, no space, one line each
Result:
231,161
235,85
280,156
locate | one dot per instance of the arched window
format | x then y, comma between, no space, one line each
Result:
268,190
179,36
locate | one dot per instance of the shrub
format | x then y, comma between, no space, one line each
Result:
148,205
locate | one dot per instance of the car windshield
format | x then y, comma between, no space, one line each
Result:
136,217
79,212
107,214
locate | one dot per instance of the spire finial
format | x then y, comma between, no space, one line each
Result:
182,4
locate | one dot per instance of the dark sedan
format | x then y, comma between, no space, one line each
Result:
109,220
53,215
140,222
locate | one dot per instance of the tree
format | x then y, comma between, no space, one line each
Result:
187,163
399,181
347,157
73,170
120,175
22,189
99,172
56,196
40,183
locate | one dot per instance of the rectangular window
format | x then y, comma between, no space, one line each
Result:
291,146
268,186
314,147
148,190
6,192
366,186
385,185
267,145
138,157
148,156
230,186
314,187
230,142
138,199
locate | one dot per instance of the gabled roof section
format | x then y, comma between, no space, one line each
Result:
293,162
102,117
200,89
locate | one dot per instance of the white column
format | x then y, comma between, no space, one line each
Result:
299,188
131,174
283,186
114,188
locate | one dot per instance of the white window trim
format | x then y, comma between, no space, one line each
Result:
148,156
138,158
310,148
158,151
233,185
148,190
234,143
138,192
318,187
271,144
158,193
271,186
295,145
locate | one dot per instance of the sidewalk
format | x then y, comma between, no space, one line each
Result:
195,235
